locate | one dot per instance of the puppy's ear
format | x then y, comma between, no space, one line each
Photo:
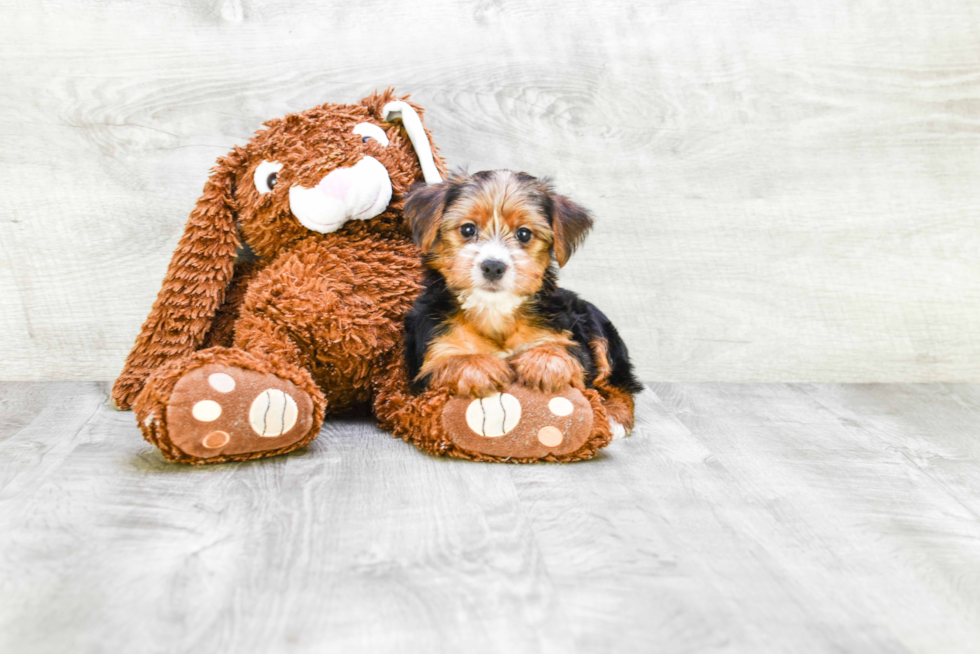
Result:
424,207
195,284
570,224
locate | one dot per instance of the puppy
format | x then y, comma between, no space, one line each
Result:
491,312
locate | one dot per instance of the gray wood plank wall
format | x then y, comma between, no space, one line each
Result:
785,190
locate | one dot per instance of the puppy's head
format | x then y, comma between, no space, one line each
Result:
495,232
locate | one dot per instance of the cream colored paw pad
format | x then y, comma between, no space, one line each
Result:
206,411
560,406
493,416
273,413
550,436
216,439
221,382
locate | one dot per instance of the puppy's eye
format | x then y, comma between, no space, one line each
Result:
266,176
371,132
524,235
468,230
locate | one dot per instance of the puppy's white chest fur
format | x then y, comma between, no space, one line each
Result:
492,310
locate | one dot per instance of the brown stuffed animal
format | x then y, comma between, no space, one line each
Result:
312,323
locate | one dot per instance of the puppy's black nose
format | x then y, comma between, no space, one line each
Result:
493,269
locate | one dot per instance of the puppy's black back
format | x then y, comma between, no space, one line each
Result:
563,310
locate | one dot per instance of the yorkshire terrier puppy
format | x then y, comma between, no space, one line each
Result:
491,312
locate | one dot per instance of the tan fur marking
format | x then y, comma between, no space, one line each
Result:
601,358
548,368
619,403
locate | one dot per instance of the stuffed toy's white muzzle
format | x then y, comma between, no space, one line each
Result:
362,191
356,193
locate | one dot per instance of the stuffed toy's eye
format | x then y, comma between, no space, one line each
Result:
266,176
468,230
524,235
370,131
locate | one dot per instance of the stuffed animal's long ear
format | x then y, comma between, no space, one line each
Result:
417,134
570,224
195,284
424,207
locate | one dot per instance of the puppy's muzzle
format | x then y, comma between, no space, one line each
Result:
360,192
493,269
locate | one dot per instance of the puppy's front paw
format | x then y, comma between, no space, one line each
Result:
474,375
548,368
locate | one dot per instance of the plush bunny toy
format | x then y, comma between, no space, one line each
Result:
286,298
310,321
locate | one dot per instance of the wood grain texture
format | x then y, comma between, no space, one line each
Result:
741,518
784,191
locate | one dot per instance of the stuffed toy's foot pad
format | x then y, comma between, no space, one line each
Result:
219,410
520,423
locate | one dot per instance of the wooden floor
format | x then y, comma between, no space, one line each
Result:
742,518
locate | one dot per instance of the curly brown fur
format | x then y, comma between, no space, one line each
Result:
334,306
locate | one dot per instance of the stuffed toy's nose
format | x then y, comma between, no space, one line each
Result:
337,183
